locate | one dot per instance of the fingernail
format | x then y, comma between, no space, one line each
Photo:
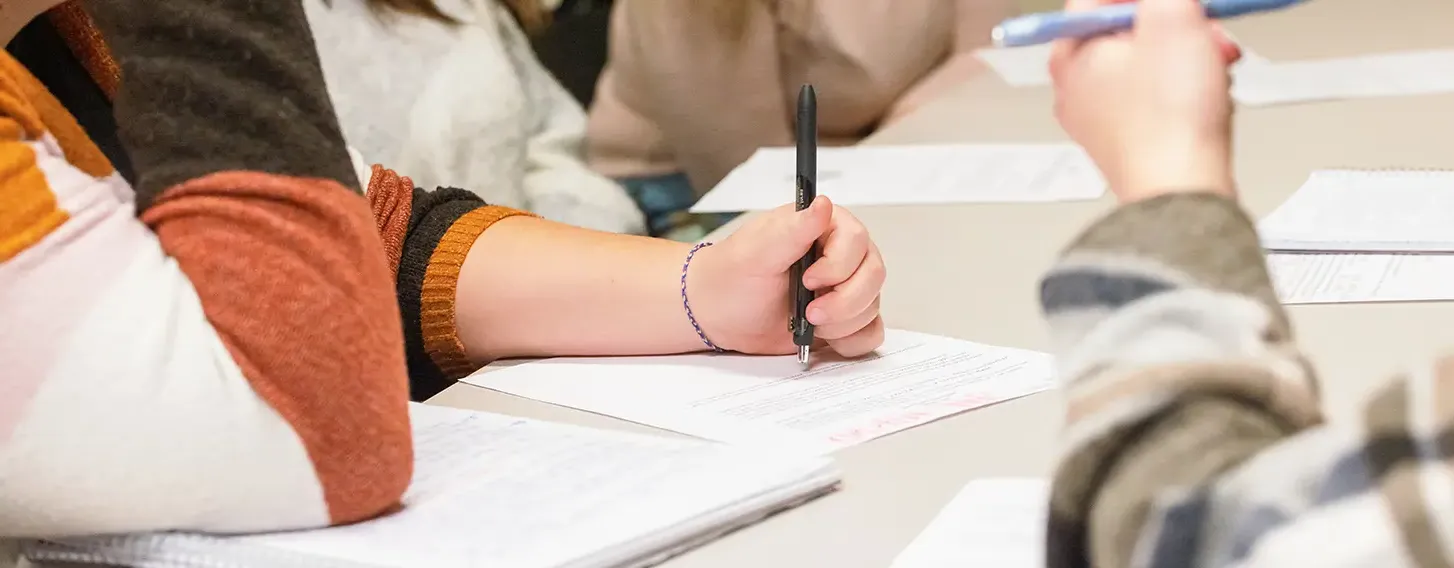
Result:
815,316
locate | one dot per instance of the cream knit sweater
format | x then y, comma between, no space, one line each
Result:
464,106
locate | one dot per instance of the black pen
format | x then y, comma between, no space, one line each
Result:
807,135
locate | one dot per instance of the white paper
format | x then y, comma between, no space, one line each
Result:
1365,211
1380,75
1260,82
1338,278
1030,66
503,492
927,174
770,401
997,523
1019,66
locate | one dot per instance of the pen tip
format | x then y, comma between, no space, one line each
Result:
803,354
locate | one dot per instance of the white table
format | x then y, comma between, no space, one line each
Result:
971,271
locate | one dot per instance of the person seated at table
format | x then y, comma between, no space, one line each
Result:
1194,432
451,92
691,89
207,327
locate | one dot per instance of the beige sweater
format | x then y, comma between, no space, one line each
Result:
677,95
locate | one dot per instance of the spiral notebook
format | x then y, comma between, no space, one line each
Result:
503,492
1380,211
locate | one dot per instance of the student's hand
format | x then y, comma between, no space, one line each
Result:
1151,106
739,287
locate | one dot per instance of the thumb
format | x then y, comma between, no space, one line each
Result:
788,233
1170,17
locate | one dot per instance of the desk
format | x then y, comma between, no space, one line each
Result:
984,289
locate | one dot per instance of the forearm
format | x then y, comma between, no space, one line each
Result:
1178,362
584,293
477,282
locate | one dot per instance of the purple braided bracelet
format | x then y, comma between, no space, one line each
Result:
688,305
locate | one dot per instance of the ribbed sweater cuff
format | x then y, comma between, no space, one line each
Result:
441,279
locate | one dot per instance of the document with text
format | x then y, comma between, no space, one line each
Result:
899,175
1365,211
913,379
506,492
992,522
1347,278
1379,75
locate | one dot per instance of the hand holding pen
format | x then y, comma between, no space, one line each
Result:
790,280
1152,108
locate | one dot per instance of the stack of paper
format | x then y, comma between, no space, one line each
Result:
1364,236
997,523
771,401
889,175
504,492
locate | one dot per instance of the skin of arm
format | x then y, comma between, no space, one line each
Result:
589,293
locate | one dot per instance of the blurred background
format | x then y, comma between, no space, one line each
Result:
574,47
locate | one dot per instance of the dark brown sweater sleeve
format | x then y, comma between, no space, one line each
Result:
213,85
427,235
243,175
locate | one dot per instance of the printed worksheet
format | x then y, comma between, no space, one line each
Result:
1335,278
896,175
1365,211
771,401
997,523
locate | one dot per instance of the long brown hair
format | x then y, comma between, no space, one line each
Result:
530,14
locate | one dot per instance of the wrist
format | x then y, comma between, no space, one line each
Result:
702,300
1178,168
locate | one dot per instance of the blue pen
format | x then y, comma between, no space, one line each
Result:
1035,29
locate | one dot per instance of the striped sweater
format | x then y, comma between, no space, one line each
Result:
216,343
1194,436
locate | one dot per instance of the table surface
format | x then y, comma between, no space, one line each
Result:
979,282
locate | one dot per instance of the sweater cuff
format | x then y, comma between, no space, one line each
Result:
441,278
1204,238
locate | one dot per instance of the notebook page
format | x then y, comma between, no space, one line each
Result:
913,379
1339,278
501,492
919,174
1365,211
992,522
